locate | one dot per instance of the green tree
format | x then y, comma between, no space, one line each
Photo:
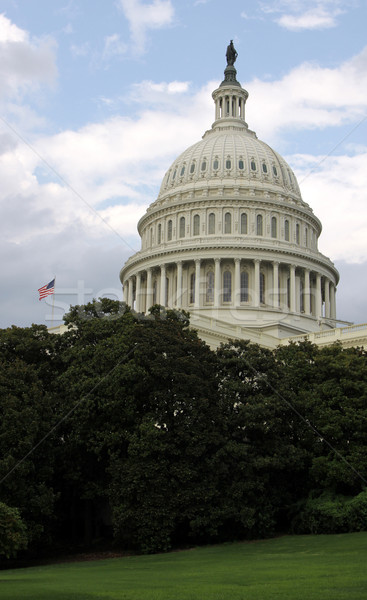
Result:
163,481
26,475
13,532
266,463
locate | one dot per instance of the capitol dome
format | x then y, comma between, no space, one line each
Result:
230,239
234,153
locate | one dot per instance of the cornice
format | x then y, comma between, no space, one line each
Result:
313,261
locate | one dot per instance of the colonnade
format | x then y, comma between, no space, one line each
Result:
270,284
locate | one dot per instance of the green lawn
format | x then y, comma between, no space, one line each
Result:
325,567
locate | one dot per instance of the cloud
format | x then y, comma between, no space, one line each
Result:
114,46
306,14
144,16
80,49
151,93
114,168
335,188
317,18
310,97
10,32
24,63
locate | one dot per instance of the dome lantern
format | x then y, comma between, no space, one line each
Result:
230,98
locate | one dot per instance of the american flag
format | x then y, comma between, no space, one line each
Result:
47,290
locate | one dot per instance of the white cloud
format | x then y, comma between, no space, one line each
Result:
114,167
80,49
24,63
310,97
10,32
149,92
144,16
335,188
317,18
114,46
298,15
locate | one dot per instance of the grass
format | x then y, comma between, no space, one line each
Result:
325,567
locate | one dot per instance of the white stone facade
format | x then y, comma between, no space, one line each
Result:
230,239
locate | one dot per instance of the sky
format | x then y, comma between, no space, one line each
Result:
98,98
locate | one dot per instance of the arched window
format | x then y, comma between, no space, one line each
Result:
253,165
196,225
286,230
262,288
169,230
192,168
182,171
227,286
211,227
244,287
297,234
243,223
216,164
228,223
273,227
159,235
210,286
228,164
192,288
259,225
241,164
182,227
265,168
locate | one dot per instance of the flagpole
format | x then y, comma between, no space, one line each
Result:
53,303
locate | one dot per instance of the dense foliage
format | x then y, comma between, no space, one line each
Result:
129,430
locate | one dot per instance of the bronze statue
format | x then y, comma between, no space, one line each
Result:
231,54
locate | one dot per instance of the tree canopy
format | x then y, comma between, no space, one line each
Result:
128,430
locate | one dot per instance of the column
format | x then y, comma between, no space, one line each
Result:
332,301
130,293
237,282
125,290
179,285
292,276
318,299
138,293
327,298
217,283
149,292
276,284
162,293
307,293
197,283
256,298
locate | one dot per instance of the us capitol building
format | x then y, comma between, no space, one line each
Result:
230,240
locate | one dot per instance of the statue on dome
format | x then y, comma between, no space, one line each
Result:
231,54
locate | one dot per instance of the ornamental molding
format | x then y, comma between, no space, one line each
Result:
316,263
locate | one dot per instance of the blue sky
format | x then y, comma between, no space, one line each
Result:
98,98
